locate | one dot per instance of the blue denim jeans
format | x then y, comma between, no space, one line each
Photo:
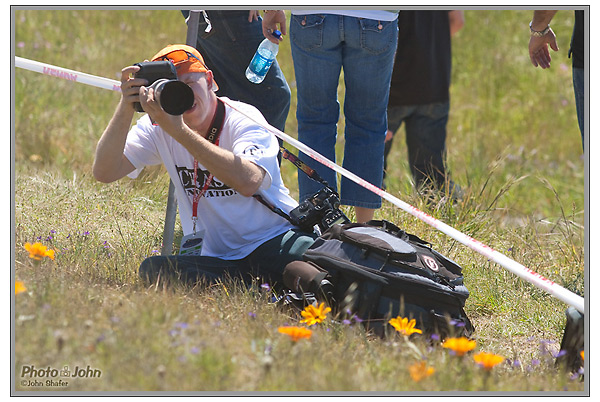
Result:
425,127
266,262
323,45
227,50
579,89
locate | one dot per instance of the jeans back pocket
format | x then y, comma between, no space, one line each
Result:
306,31
378,36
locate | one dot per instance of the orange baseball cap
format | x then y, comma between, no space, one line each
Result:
186,59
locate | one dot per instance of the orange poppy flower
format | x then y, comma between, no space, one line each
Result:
460,346
19,287
296,333
420,370
487,360
314,315
404,326
37,251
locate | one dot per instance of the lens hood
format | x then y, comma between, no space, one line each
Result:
173,96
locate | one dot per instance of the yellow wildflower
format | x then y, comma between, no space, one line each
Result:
314,315
487,360
37,251
420,370
404,326
19,287
296,333
460,346
581,353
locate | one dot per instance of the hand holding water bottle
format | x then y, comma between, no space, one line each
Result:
273,20
263,59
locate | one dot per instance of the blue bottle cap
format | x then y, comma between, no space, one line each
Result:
277,33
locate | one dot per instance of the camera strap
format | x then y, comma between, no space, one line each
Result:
272,207
213,136
300,165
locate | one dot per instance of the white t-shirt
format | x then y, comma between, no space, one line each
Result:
378,15
234,225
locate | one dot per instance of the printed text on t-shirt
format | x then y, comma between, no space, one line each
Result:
215,189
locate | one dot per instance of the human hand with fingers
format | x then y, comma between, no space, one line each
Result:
130,86
273,20
253,15
168,122
539,54
542,36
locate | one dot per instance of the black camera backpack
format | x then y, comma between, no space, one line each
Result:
379,271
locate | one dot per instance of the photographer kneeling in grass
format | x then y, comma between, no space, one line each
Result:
217,159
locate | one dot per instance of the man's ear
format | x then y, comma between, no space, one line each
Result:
211,81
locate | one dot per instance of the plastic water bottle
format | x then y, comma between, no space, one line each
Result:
262,60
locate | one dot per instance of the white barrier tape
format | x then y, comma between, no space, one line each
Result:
70,75
536,279
518,269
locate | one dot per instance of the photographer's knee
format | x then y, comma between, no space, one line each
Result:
151,268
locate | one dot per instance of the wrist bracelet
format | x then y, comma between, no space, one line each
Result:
538,33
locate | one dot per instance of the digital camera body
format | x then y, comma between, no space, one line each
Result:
153,71
173,96
320,209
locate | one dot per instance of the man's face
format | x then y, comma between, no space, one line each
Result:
201,111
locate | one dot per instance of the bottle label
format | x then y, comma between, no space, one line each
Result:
260,65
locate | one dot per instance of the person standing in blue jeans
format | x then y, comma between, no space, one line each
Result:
228,39
362,43
420,93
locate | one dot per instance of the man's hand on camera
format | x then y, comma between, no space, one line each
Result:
166,121
130,86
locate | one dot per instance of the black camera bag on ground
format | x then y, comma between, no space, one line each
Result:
379,271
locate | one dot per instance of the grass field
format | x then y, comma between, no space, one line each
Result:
513,145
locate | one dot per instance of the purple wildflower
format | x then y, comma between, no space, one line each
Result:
577,374
561,353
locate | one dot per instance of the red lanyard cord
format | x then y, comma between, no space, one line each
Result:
213,136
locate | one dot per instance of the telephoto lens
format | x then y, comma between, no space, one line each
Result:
174,97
